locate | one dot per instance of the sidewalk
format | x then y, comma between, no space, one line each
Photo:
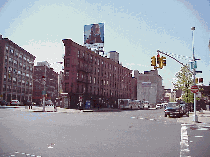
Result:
203,118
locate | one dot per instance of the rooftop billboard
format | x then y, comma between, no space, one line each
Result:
94,33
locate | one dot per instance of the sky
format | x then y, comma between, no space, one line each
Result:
135,29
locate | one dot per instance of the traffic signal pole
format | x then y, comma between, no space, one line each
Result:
195,117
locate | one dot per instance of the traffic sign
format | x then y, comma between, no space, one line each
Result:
194,89
43,92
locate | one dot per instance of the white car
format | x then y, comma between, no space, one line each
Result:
146,105
15,102
48,103
158,106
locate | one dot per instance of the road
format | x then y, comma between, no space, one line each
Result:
126,133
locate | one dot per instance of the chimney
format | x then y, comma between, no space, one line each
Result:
0,37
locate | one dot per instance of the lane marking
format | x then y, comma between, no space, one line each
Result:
184,146
198,136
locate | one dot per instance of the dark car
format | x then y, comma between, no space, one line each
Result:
184,109
3,102
173,109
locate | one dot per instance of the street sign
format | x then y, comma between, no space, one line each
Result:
194,89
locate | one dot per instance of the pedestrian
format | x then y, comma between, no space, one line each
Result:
55,108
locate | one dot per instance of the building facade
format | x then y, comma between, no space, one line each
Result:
89,77
149,86
16,72
44,76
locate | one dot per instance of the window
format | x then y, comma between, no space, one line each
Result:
94,80
7,48
68,62
78,53
12,51
77,76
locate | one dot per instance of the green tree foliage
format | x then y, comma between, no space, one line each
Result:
184,80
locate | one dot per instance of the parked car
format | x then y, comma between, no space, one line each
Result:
146,105
158,106
15,102
3,103
173,109
48,103
164,104
184,109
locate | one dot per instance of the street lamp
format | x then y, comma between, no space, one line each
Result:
195,117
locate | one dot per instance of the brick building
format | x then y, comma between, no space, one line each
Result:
16,72
51,83
92,77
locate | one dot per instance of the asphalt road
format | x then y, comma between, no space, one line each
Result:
121,134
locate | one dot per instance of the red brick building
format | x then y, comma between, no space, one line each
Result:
93,77
51,83
16,72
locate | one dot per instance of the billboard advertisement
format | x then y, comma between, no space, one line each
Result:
94,36
94,33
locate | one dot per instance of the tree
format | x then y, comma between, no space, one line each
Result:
184,80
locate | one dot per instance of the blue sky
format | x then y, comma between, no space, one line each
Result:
135,29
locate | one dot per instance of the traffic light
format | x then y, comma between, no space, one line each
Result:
158,59
161,63
200,80
153,61
196,80
164,61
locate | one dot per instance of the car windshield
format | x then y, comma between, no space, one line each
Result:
172,105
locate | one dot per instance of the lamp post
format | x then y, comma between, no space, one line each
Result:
195,117
44,92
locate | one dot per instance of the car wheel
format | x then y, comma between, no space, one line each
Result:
178,116
165,115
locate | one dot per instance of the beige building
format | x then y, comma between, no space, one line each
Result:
149,86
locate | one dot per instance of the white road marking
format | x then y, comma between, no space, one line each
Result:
184,146
202,129
198,136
